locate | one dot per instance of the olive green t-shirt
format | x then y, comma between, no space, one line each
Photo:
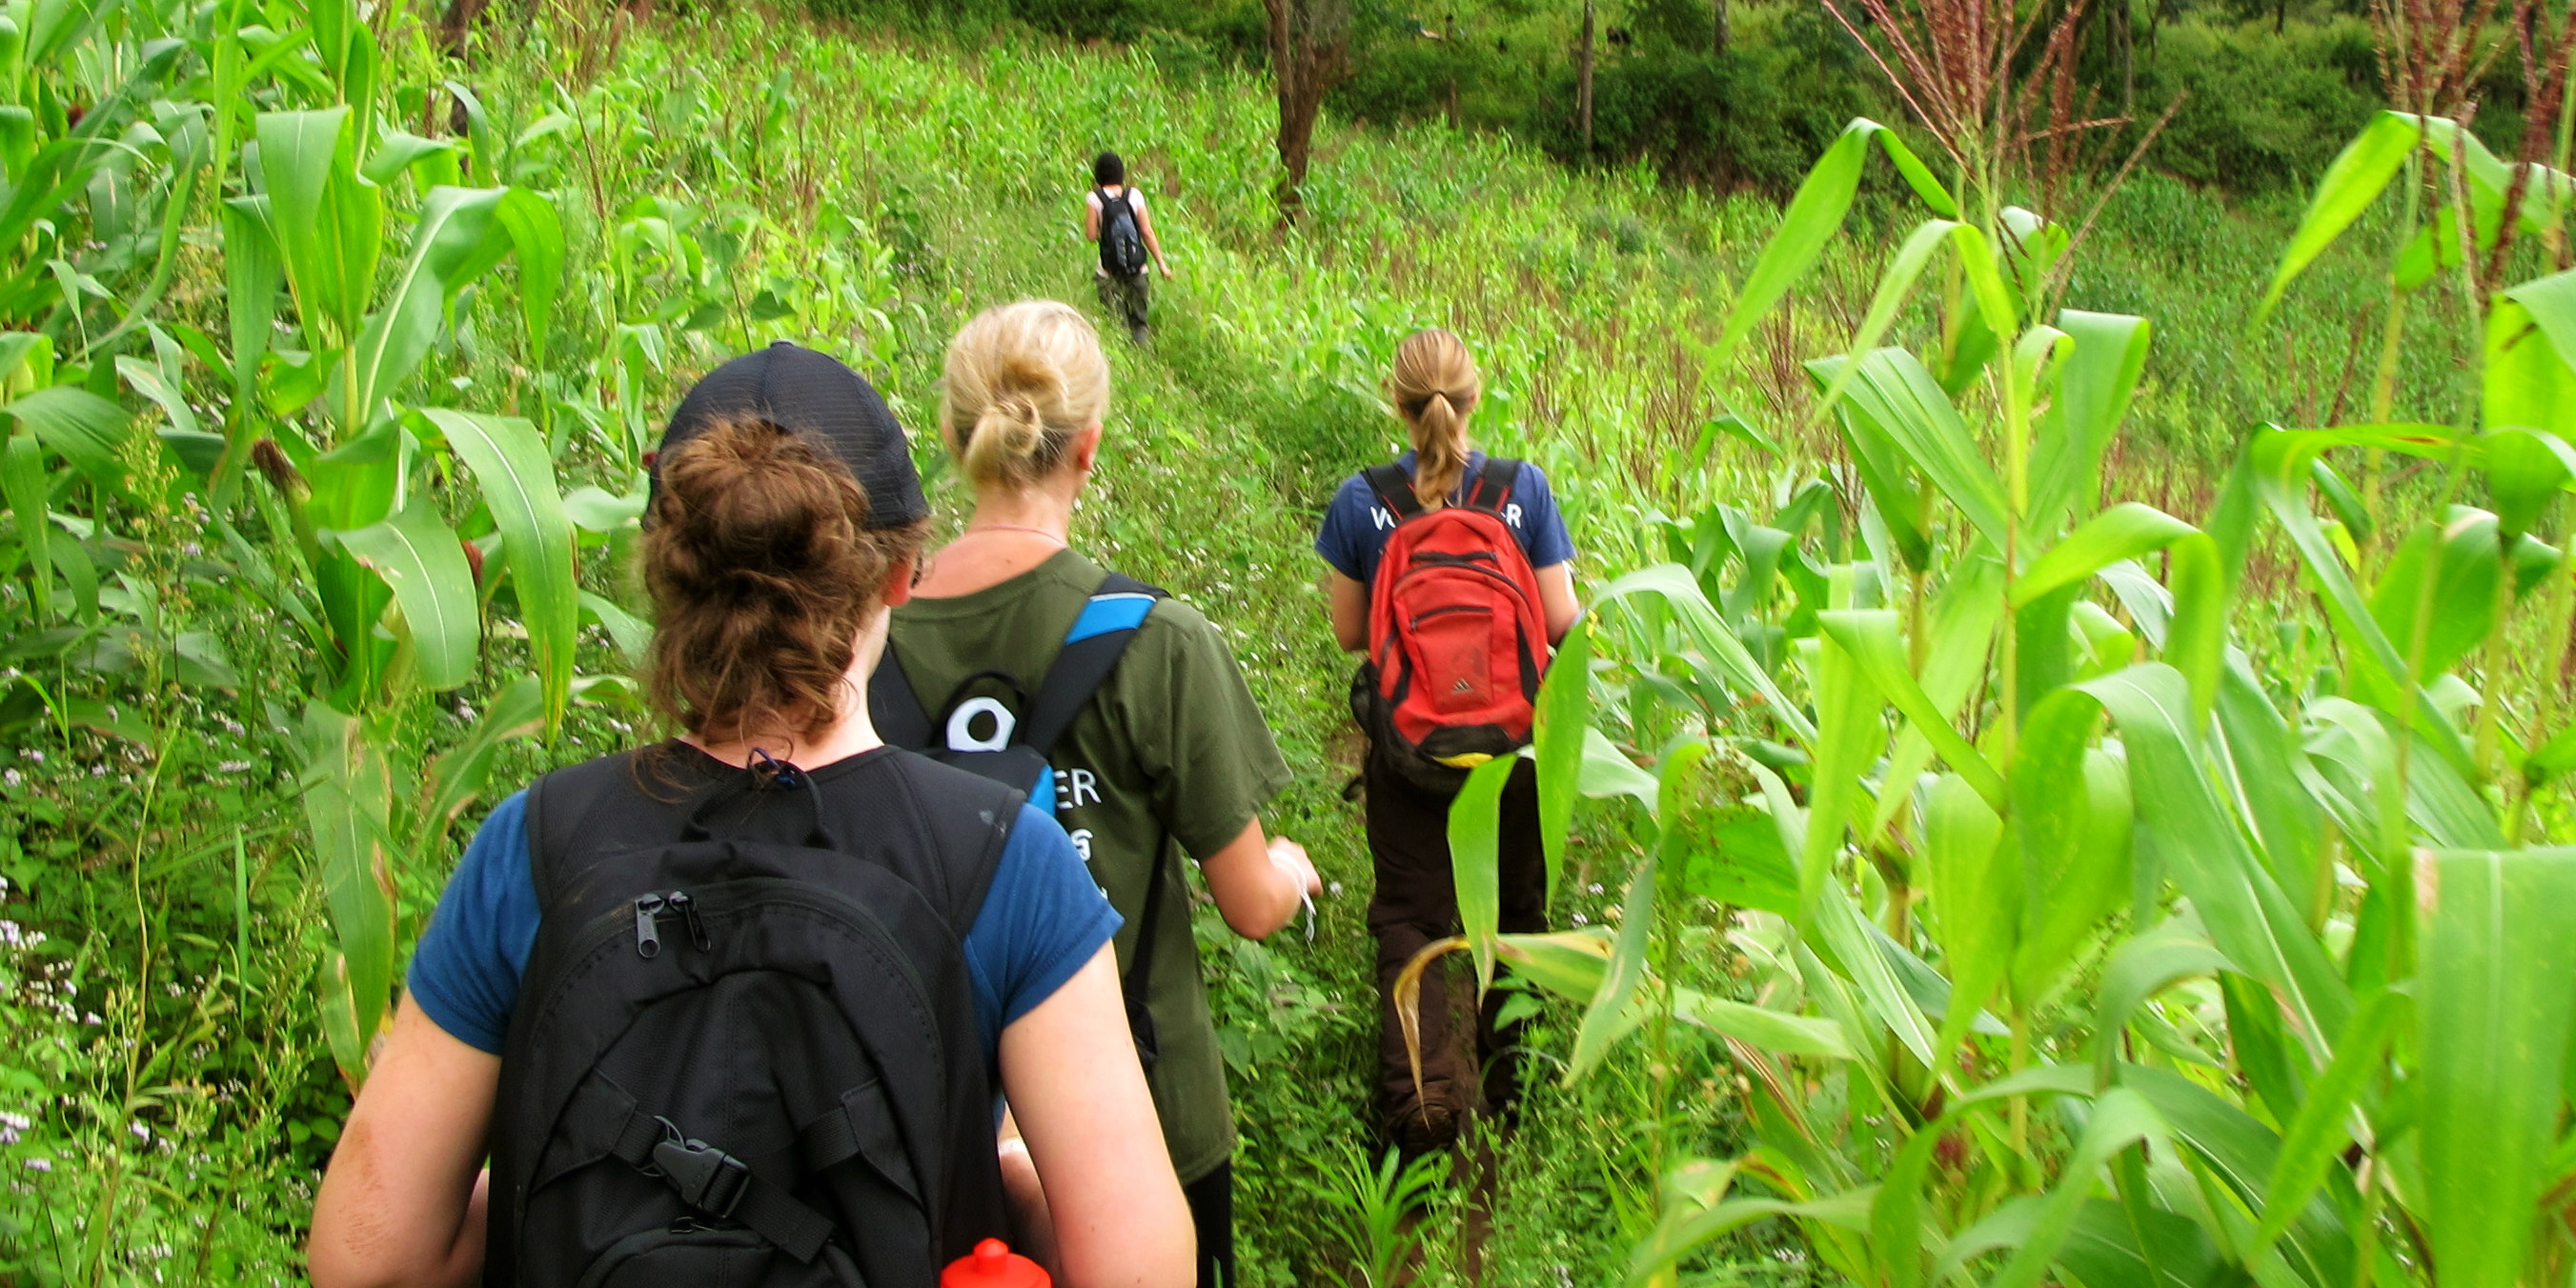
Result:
1170,757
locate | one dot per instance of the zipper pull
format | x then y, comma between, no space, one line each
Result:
680,902
648,935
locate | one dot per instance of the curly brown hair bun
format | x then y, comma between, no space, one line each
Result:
763,573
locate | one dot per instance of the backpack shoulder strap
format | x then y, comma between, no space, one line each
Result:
561,807
1494,484
1394,490
1100,635
893,705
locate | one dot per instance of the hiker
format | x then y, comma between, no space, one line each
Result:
1114,216
731,1006
1153,750
1448,567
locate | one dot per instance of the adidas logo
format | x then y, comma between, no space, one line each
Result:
1464,685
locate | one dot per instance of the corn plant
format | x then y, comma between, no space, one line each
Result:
400,610
112,125
2076,946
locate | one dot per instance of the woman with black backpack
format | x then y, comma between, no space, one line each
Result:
734,1007
1453,573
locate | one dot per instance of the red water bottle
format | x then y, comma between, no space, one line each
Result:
993,1265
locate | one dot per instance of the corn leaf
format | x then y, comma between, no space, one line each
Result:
457,777
1716,641
419,556
2205,853
347,798
454,242
1895,391
537,239
1563,719
509,459
2493,1032
1605,1017
2071,820
1814,215
1976,887
79,426
2124,531
327,219
24,484
1474,860
1870,637
2321,1128
2095,383
2352,181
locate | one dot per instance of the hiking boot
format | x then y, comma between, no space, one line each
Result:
1428,1129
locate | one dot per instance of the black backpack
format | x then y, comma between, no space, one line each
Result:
1122,243
746,1049
1013,748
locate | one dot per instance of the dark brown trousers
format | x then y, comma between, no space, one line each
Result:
1416,904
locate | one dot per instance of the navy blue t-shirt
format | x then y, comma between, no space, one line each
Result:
1356,526
1041,922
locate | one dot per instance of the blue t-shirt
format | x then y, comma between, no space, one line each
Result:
1356,526
1042,920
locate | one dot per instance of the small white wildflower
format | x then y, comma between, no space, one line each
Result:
140,1131
1581,920
12,777
235,766
1595,887
40,1165
92,1018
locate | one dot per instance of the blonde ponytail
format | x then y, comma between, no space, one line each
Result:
1021,381
1434,388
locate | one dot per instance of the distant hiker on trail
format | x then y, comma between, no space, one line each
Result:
1114,216
1453,573
1019,657
730,1008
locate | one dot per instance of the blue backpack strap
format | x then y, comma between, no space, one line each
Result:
1091,651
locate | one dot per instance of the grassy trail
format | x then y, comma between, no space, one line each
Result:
1214,474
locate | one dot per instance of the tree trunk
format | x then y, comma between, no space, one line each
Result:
1308,39
1725,27
1583,84
458,24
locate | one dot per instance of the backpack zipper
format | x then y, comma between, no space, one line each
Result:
649,911
680,902
648,934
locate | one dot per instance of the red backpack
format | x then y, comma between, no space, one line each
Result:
1457,642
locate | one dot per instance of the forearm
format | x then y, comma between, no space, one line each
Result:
1256,889
403,1202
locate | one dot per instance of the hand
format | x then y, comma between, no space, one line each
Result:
1167,270
1290,858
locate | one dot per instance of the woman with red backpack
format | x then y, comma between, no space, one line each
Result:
1453,573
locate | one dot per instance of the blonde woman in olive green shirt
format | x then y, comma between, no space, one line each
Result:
1171,757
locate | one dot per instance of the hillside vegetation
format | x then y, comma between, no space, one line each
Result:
179,730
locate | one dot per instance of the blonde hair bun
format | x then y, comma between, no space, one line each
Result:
1020,381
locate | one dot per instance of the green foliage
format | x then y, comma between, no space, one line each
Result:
255,697
2391,1014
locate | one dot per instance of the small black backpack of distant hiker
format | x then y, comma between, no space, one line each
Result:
1122,241
745,1050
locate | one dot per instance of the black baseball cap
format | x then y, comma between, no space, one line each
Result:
814,395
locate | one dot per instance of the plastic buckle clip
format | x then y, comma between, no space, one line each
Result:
707,1178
